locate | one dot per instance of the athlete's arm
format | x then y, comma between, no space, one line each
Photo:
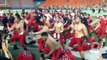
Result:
51,50
85,30
97,26
21,27
25,21
44,29
53,28
62,27
11,28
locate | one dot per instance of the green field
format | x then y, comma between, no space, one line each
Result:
34,48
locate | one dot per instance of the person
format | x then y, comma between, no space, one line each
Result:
68,21
38,17
11,19
18,32
84,19
93,10
43,28
102,31
58,29
41,48
5,21
89,19
25,55
54,47
99,10
32,21
80,32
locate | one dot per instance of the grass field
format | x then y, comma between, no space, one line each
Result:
34,48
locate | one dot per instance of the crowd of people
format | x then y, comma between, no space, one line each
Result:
55,27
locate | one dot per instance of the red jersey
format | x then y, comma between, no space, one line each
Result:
41,44
103,24
89,20
26,55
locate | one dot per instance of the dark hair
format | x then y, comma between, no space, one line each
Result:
44,34
18,16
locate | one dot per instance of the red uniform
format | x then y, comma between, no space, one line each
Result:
102,30
95,25
92,45
42,48
57,54
90,28
17,36
89,20
26,55
32,22
69,55
78,41
41,44
68,35
11,24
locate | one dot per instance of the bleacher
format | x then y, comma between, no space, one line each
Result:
18,4
72,3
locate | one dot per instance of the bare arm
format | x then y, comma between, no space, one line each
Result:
85,30
44,29
97,26
11,28
62,27
25,21
22,27
52,50
39,32
52,28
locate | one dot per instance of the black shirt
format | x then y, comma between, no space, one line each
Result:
38,17
11,19
84,21
5,21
